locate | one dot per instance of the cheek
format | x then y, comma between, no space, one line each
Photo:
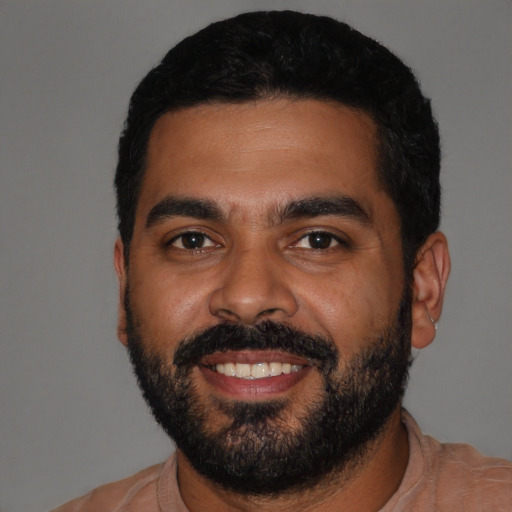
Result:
354,305
167,308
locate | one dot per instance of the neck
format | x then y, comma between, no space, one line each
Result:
363,487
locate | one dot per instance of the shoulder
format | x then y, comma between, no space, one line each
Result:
474,478
458,476
140,488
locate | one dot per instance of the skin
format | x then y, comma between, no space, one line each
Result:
250,161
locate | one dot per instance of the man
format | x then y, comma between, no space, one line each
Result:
278,201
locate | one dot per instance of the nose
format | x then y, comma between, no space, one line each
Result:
253,289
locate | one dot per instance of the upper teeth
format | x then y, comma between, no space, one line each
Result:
256,371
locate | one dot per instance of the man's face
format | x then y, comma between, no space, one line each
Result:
267,214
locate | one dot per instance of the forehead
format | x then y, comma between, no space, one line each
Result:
254,154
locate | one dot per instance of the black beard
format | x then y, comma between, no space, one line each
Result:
253,455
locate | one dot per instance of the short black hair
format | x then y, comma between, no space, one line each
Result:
286,54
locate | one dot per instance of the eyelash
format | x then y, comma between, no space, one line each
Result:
328,237
331,237
198,234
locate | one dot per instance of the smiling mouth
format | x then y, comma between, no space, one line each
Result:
253,373
256,371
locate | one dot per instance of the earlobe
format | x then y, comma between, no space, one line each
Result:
120,266
430,276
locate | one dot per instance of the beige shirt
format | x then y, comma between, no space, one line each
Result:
439,477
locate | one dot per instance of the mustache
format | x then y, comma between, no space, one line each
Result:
317,350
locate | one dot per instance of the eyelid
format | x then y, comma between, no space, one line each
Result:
340,240
190,231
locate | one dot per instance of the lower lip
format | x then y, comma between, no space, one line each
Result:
253,388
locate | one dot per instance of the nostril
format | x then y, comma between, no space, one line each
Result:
228,315
267,312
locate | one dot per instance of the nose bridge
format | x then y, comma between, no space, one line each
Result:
253,288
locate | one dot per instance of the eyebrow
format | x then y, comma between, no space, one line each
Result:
172,206
310,207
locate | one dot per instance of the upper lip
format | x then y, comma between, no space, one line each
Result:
251,357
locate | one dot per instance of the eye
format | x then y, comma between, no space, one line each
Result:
319,240
191,241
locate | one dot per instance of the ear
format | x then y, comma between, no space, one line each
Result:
430,276
121,269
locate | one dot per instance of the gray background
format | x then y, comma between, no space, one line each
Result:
71,416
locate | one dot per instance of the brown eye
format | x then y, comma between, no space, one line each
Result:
319,240
191,241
